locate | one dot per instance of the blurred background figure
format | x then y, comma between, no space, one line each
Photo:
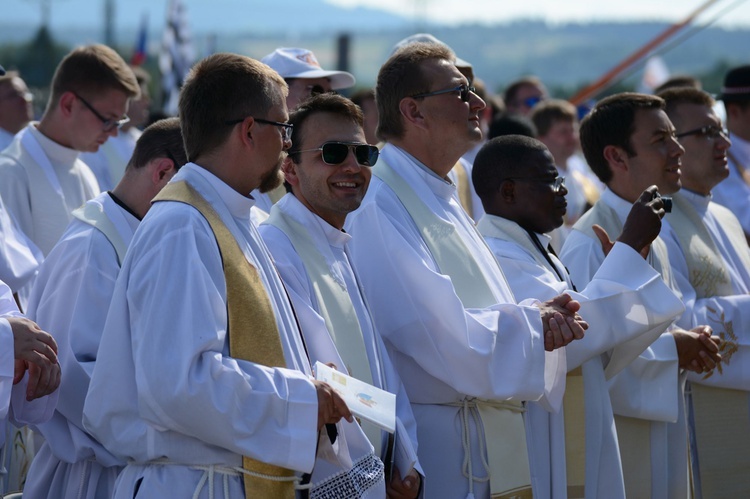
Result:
523,94
16,108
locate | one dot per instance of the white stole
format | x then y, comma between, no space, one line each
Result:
45,193
94,215
335,306
504,431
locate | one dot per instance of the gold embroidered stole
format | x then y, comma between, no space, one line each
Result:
721,415
253,332
335,305
464,188
504,430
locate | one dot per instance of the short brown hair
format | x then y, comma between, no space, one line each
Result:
321,103
675,96
548,112
93,69
509,96
220,88
162,139
612,123
402,76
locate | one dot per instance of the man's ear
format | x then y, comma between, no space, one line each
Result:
411,112
507,191
65,104
289,169
247,131
161,170
616,157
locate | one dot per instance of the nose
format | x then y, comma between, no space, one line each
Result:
723,143
476,102
351,163
286,143
562,190
677,149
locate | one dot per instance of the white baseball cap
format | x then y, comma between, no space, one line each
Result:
301,63
428,38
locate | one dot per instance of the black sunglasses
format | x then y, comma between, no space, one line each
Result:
463,92
286,128
335,153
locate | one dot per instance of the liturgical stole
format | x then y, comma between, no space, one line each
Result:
253,333
504,431
335,306
721,415
94,215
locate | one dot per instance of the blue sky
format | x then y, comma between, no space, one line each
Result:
67,13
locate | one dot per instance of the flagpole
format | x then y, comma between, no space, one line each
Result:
599,85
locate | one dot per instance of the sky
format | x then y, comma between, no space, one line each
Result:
450,12
454,12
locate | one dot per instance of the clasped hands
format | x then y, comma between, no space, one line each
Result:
35,351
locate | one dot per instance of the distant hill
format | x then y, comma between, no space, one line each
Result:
565,56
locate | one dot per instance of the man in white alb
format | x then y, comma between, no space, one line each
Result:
202,383
467,354
711,263
734,192
627,301
72,295
630,144
42,180
328,170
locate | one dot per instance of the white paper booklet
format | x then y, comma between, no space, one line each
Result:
365,401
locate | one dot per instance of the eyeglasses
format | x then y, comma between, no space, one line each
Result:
335,153
463,92
107,124
557,184
709,132
286,128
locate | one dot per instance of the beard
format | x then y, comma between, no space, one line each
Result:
272,179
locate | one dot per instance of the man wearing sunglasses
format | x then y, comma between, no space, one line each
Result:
42,180
524,198
71,296
466,352
206,390
630,143
711,262
328,170
522,95
302,72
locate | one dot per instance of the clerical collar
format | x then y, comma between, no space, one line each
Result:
58,154
699,201
122,205
425,167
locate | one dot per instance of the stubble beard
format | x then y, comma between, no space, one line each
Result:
272,179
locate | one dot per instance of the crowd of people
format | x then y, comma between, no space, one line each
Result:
178,283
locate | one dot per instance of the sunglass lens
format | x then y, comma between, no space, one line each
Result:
335,154
366,155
